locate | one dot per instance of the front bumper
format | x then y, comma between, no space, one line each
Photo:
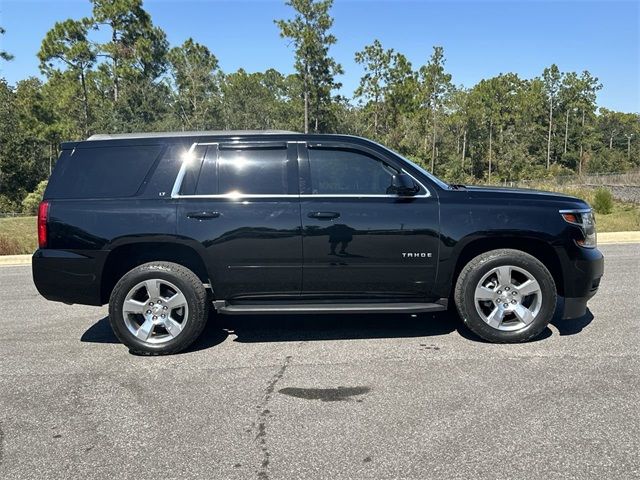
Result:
575,307
582,275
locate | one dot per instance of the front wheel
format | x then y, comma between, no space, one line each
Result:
505,296
158,308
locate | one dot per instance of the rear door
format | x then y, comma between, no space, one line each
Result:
359,239
241,202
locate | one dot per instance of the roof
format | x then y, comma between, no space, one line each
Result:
116,136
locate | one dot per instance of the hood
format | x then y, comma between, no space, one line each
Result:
525,194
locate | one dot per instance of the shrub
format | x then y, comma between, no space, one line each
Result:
7,205
603,201
33,199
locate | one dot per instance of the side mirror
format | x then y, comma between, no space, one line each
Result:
403,184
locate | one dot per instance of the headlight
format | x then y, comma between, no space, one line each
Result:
587,223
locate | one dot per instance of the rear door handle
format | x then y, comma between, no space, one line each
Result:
203,215
323,215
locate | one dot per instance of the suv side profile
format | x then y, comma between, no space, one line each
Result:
163,226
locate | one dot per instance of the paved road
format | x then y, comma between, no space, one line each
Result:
322,397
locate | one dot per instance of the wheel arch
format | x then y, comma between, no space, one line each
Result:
127,256
535,247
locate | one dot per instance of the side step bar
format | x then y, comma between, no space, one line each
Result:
222,306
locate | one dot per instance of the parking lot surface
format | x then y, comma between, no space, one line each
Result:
322,397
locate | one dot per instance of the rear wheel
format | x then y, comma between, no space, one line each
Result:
158,308
505,296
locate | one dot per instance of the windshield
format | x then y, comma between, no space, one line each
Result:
431,177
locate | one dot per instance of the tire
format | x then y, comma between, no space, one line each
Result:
496,289
163,322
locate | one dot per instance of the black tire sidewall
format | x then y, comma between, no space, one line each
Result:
195,320
465,295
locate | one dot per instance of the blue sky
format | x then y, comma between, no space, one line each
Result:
480,38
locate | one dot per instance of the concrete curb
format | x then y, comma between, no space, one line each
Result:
607,238
15,260
604,238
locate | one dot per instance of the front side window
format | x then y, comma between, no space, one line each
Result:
347,172
246,171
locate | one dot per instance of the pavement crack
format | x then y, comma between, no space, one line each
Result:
260,425
1,444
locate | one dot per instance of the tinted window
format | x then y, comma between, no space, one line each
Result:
165,173
348,172
208,181
99,172
194,165
250,171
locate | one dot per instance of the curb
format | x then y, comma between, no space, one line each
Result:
7,260
608,238
604,238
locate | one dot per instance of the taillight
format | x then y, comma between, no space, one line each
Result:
43,216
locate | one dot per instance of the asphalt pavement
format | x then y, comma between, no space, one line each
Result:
322,397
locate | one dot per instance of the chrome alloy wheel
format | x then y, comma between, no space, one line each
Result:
155,311
508,298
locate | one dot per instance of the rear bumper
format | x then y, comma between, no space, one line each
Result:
67,277
582,280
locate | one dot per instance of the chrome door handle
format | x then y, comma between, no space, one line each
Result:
203,215
323,215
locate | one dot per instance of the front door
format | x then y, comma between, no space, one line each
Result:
359,238
240,202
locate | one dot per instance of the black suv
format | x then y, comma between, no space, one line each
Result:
162,226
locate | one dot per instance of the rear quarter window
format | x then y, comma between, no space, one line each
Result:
100,172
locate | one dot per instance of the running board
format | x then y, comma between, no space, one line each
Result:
282,308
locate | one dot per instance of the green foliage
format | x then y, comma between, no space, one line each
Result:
308,30
386,90
603,201
33,199
434,88
67,44
196,82
607,161
24,149
8,205
136,48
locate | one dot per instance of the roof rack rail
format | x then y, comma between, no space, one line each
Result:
116,136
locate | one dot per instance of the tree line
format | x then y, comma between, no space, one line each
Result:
116,72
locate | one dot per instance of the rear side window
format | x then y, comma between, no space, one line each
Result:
192,171
100,172
247,171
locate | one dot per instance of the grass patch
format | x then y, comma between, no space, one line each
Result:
624,217
18,235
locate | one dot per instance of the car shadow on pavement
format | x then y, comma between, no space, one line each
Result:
101,332
574,325
287,328
565,327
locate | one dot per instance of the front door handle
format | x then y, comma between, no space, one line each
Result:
203,215
323,215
